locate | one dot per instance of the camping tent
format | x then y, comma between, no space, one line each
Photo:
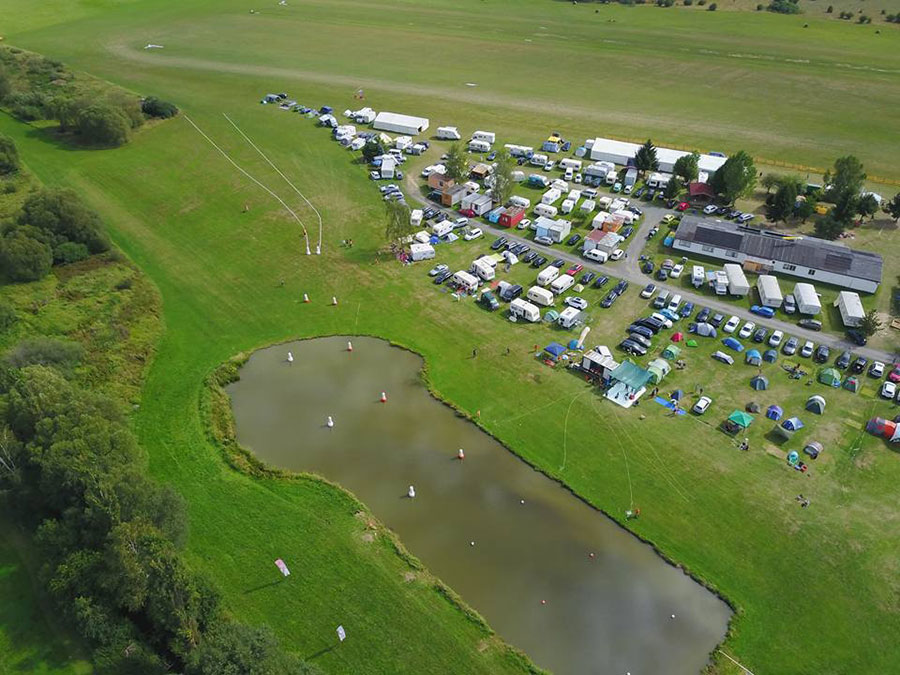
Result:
753,407
830,376
677,337
732,343
753,357
554,350
671,352
770,356
793,457
782,433
852,384
774,412
792,424
705,330
759,382
677,395
658,369
878,426
741,419
816,404
813,449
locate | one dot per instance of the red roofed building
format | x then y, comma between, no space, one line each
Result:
700,193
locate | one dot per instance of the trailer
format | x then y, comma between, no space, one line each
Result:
807,299
570,317
476,145
522,309
769,291
448,134
737,280
487,136
718,282
421,252
698,275
851,308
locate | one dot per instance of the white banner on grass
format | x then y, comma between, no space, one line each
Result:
342,635
284,568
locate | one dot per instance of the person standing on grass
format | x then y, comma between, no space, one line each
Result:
474,352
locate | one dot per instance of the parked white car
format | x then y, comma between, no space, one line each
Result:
525,222
731,325
876,369
676,271
776,338
888,390
702,405
460,222
438,269
618,254
807,349
709,210
747,330
474,233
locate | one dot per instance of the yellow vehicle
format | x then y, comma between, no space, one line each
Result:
822,209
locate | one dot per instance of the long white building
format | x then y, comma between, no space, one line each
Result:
621,153
400,124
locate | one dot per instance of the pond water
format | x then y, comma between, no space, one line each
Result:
533,540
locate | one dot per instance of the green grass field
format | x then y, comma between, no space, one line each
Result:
816,589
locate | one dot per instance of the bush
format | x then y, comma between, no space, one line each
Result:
784,7
43,351
9,156
830,9
102,124
62,214
712,7
10,187
688,3
7,316
23,258
69,252
760,8
153,107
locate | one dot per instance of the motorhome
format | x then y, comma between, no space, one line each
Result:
415,217
546,275
562,283
486,136
538,160
540,295
479,146
569,163
442,228
421,252
448,133
522,309
698,276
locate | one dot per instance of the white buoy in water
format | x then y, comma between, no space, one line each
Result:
411,492
330,422
461,454
290,357
349,346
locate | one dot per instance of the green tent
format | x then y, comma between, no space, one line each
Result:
691,343
658,369
671,352
741,418
852,384
830,376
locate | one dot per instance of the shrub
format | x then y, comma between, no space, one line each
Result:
61,213
784,7
688,3
830,9
23,258
10,187
9,156
69,252
7,316
153,107
760,8
712,7
44,351
102,124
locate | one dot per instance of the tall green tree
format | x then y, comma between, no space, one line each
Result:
867,206
847,176
805,209
233,649
457,163
736,178
870,323
687,167
9,156
672,189
782,206
645,158
62,213
23,258
892,208
372,149
503,178
828,227
103,124
397,226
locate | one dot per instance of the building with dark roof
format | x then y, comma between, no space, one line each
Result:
768,251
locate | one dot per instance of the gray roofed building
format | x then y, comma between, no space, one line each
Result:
769,251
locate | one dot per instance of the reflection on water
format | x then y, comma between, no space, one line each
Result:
552,576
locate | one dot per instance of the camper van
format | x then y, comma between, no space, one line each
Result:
562,284
516,200
465,281
540,295
596,255
611,177
538,160
698,276
415,217
569,163
522,309
546,210
570,317
482,269
421,252
448,134
485,136
546,275
442,228
479,146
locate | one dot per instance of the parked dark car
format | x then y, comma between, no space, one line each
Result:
639,192
843,361
528,257
653,324
640,330
442,277
627,231
651,193
810,324
722,210
608,301
640,339
574,239
601,282
703,315
587,278
857,337
859,365
760,334
558,263
489,301
662,274
717,319
621,287
647,267
499,242
632,347
510,293
440,217
686,310
539,261
636,211
821,354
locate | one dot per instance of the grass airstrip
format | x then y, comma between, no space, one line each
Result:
815,589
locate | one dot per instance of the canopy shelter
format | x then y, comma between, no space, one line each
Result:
658,369
733,343
759,382
814,449
671,352
816,404
740,418
554,350
628,381
775,412
792,424
753,407
677,337
770,356
830,376
753,357
852,384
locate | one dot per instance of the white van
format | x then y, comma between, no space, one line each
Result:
674,302
482,269
522,309
540,295
570,173
465,281
611,177
546,210
596,255
546,275
442,228
562,284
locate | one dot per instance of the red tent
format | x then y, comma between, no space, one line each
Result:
677,337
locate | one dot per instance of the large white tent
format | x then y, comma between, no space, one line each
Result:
401,124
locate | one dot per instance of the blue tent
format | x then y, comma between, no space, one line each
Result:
731,343
770,356
774,412
555,350
759,382
677,395
753,357
792,424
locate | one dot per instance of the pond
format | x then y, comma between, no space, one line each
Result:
551,575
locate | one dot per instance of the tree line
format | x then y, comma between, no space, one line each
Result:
33,87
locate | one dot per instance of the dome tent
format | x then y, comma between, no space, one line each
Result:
813,449
734,344
830,376
760,382
770,356
816,404
852,384
671,352
753,357
774,412
752,407
792,424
